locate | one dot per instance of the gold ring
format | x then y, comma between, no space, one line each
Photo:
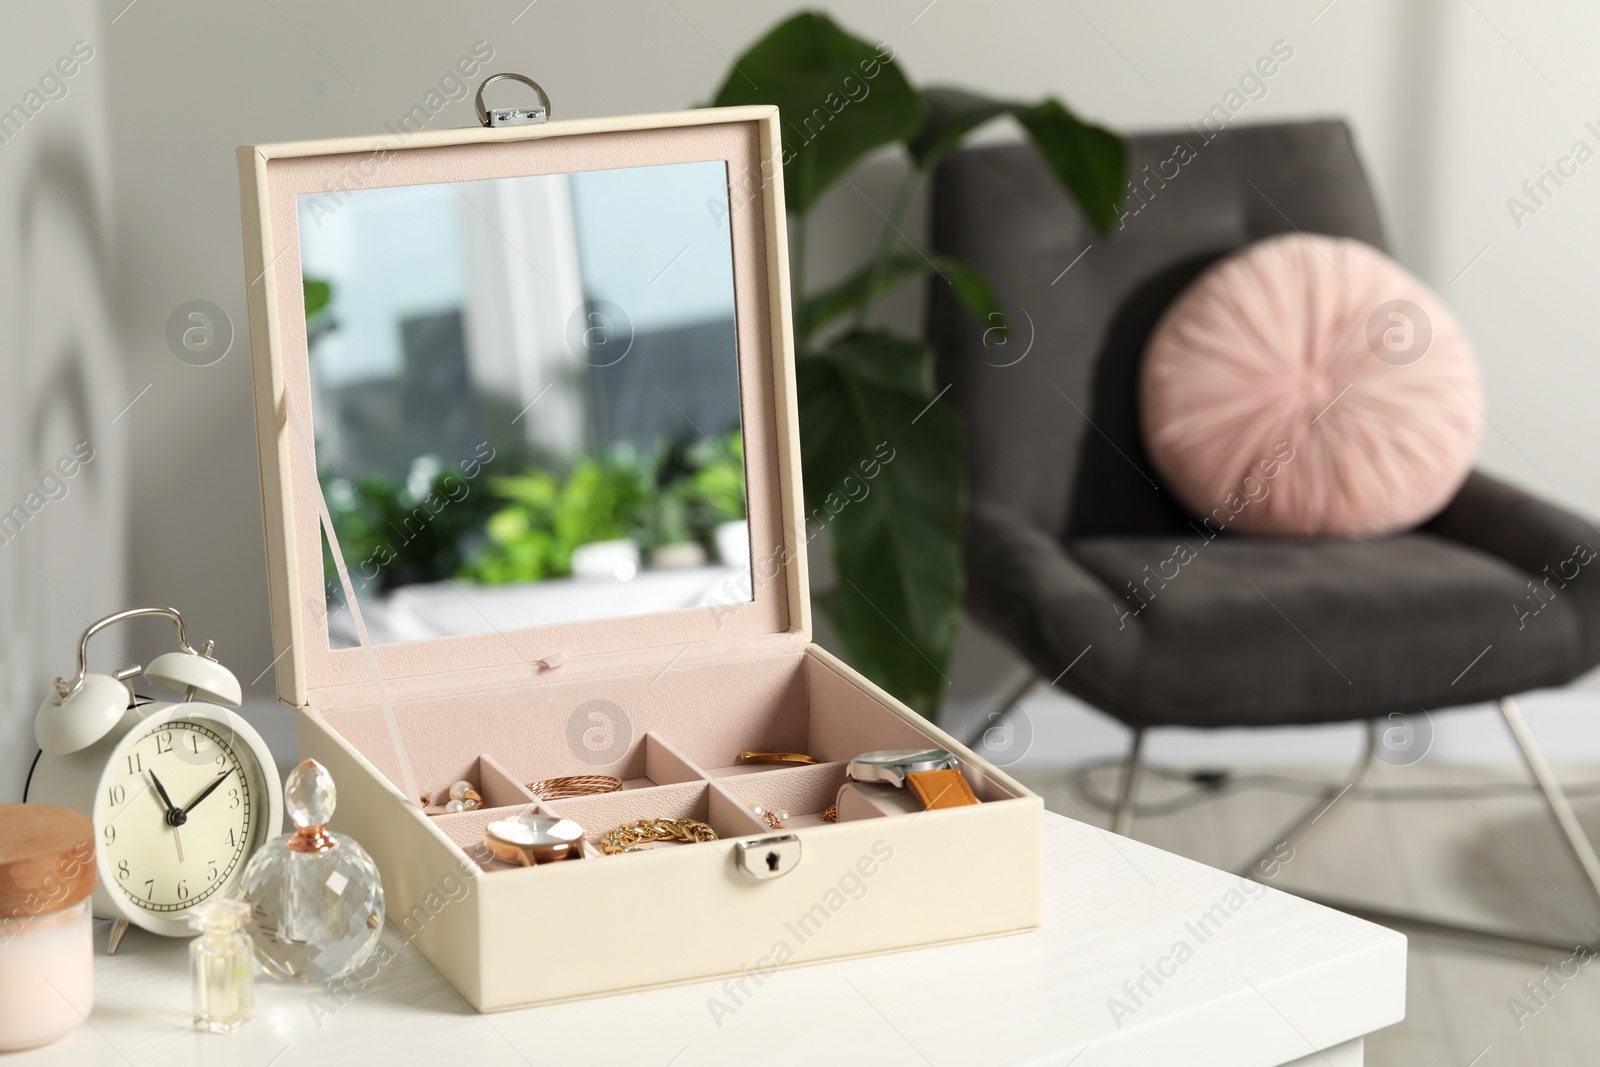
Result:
798,759
628,837
574,785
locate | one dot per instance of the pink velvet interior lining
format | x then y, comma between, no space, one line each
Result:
672,736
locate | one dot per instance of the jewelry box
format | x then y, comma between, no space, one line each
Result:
469,330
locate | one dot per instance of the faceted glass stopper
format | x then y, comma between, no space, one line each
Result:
309,795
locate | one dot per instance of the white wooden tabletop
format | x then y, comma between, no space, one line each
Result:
1144,959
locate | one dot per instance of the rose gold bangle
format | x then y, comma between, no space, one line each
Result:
757,756
574,785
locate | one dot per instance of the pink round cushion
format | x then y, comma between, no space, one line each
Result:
1308,386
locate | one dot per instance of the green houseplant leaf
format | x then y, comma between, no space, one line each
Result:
1090,161
838,98
903,264
948,115
882,471
867,398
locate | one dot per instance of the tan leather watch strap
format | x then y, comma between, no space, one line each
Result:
941,789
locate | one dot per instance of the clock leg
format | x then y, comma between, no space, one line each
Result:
114,942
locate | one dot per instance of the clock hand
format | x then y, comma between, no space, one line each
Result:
171,807
208,791
174,816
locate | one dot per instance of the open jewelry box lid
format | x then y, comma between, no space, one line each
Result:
328,184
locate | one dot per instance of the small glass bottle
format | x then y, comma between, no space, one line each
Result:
316,896
222,967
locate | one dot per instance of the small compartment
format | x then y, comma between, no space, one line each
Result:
663,765
874,800
740,770
690,800
805,792
649,762
493,782
465,830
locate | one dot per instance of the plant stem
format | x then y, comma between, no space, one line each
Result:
886,246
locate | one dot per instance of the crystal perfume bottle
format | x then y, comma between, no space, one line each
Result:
315,897
221,968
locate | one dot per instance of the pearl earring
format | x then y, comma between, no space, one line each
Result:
463,797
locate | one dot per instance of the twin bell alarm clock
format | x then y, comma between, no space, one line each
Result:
181,792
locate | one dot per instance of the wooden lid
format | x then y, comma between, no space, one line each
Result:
46,859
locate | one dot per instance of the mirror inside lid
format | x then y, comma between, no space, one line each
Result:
546,386
528,399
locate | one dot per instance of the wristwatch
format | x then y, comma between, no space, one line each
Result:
931,773
528,840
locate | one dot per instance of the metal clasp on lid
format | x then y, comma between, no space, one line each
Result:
513,116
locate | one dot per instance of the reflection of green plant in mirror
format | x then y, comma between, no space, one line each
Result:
394,532
718,477
661,497
898,552
533,536
319,320
317,295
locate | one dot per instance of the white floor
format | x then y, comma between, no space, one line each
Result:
1468,842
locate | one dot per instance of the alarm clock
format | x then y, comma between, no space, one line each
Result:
181,793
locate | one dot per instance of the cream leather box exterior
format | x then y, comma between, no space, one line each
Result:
671,697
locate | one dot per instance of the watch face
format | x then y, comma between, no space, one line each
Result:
909,758
180,810
892,765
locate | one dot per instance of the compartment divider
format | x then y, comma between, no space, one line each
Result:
665,765
802,791
498,784
735,813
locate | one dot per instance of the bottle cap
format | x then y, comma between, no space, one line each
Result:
222,915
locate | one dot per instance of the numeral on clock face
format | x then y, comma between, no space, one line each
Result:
178,822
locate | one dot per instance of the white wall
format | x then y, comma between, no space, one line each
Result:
62,520
1451,113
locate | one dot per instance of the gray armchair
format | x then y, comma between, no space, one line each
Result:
1069,522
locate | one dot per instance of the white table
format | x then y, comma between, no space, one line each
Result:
1275,980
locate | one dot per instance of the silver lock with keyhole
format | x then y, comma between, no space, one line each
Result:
765,858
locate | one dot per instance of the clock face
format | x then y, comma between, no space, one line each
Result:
181,808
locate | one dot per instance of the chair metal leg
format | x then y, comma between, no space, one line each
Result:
1560,807
1122,823
1582,850
1311,821
1012,699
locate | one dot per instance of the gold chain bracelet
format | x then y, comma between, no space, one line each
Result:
629,837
